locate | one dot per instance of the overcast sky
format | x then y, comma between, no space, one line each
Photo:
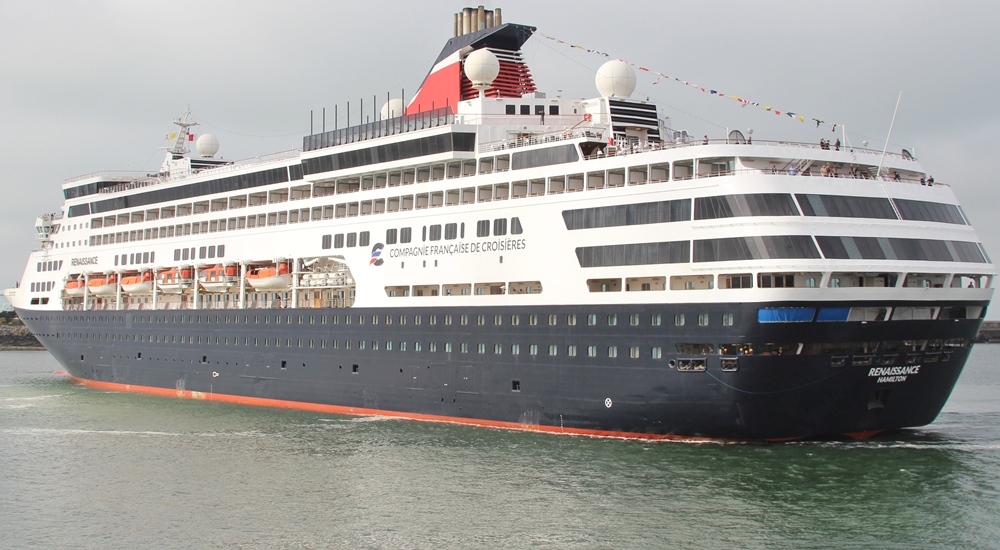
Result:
89,86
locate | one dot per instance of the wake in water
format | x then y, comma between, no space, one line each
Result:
126,433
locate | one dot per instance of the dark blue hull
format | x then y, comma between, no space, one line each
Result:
744,380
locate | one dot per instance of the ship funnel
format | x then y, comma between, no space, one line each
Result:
471,20
447,84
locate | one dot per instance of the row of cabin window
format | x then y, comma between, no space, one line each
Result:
724,206
485,193
243,181
133,258
783,247
760,204
787,280
701,282
465,289
867,350
433,232
526,109
353,240
42,286
49,265
204,252
571,319
634,352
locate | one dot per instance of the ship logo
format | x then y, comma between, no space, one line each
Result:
376,254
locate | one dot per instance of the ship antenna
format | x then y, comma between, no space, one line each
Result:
886,146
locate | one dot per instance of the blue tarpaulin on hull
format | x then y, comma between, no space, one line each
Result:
833,314
785,315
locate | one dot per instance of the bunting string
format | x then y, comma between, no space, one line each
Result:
744,102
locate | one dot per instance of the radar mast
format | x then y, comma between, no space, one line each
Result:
182,136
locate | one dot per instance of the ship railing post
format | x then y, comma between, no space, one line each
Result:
196,305
118,290
243,284
295,283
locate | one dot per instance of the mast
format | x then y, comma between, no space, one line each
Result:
180,147
176,162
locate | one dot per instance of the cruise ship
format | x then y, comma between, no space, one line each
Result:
482,253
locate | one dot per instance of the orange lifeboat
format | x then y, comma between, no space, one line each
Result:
138,284
103,285
219,278
273,277
75,287
175,280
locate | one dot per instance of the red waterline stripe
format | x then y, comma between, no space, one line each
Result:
359,411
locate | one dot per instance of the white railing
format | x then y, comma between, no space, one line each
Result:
537,139
305,303
112,175
238,164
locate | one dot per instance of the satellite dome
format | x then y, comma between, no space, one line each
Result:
482,67
615,78
392,108
207,145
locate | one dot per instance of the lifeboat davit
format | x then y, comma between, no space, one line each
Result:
272,277
175,280
75,287
103,285
138,284
219,278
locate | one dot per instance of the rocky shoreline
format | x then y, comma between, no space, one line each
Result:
16,337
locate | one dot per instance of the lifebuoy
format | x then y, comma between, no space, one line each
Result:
587,117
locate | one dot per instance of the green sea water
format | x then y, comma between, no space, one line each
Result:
83,468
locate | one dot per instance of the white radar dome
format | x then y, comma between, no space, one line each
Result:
482,68
615,78
207,145
392,108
